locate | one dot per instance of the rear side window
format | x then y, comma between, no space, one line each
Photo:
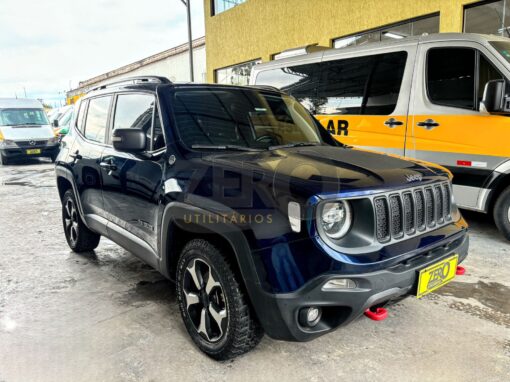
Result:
451,77
97,119
140,111
367,85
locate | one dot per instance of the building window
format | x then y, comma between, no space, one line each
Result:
408,28
236,74
489,17
219,6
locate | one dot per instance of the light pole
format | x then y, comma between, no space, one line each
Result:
190,39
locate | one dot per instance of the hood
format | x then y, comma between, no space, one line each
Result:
331,170
17,133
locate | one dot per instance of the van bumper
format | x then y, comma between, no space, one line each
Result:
18,152
280,319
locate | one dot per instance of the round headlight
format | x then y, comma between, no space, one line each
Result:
336,219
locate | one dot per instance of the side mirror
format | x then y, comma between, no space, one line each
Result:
55,123
494,98
129,140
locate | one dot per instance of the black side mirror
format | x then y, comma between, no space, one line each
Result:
129,140
55,123
494,98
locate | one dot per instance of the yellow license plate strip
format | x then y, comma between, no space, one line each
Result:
437,275
33,151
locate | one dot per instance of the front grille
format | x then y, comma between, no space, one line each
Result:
412,211
26,144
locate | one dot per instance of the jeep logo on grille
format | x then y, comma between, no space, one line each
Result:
31,142
414,178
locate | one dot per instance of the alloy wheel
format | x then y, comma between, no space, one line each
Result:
205,300
71,220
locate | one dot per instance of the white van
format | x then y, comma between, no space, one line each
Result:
25,131
442,98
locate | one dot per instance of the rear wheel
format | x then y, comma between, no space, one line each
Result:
502,213
78,236
214,309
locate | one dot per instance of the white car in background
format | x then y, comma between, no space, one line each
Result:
25,131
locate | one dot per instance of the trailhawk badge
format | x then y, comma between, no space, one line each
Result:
414,178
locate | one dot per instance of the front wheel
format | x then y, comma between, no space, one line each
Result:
3,160
502,213
214,309
78,236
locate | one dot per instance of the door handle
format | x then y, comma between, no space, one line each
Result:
392,122
428,124
109,166
75,155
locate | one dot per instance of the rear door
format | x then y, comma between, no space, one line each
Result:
447,124
363,100
132,182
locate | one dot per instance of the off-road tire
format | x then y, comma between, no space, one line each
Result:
243,331
78,236
501,213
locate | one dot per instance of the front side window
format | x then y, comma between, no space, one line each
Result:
97,119
451,77
245,118
135,111
457,77
20,117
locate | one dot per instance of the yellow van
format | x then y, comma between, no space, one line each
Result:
442,98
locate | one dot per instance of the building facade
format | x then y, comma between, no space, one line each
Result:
172,63
242,33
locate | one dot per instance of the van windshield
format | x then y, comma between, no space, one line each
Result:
237,118
503,48
20,117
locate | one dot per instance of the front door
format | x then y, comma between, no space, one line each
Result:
447,123
132,188
363,100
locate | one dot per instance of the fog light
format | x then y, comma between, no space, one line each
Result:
310,316
339,284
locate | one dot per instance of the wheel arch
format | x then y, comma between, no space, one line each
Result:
500,182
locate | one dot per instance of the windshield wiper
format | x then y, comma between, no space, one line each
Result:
224,147
296,144
26,124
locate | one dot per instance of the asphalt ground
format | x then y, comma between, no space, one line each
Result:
106,316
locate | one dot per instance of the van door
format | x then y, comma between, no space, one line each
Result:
364,100
446,123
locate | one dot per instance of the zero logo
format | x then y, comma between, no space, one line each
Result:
438,275
342,126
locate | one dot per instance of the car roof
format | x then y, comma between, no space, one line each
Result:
20,103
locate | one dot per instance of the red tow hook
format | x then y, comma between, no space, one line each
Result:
378,314
460,271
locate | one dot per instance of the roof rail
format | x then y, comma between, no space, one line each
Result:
133,80
267,87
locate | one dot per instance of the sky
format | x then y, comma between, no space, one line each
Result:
47,47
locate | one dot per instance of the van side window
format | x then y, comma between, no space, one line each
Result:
367,85
97,119
299,81
135,111
451,77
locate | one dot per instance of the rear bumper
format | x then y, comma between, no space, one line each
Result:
281,316
18,152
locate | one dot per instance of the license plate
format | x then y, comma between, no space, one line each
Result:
33,151
437,275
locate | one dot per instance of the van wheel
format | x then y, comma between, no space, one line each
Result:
214,309
78,236
502,213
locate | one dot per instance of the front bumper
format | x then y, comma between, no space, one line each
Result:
21,152
281,318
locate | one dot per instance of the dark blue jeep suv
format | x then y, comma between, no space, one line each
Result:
264,221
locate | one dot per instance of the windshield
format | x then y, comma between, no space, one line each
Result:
241,118
503,48
16,117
